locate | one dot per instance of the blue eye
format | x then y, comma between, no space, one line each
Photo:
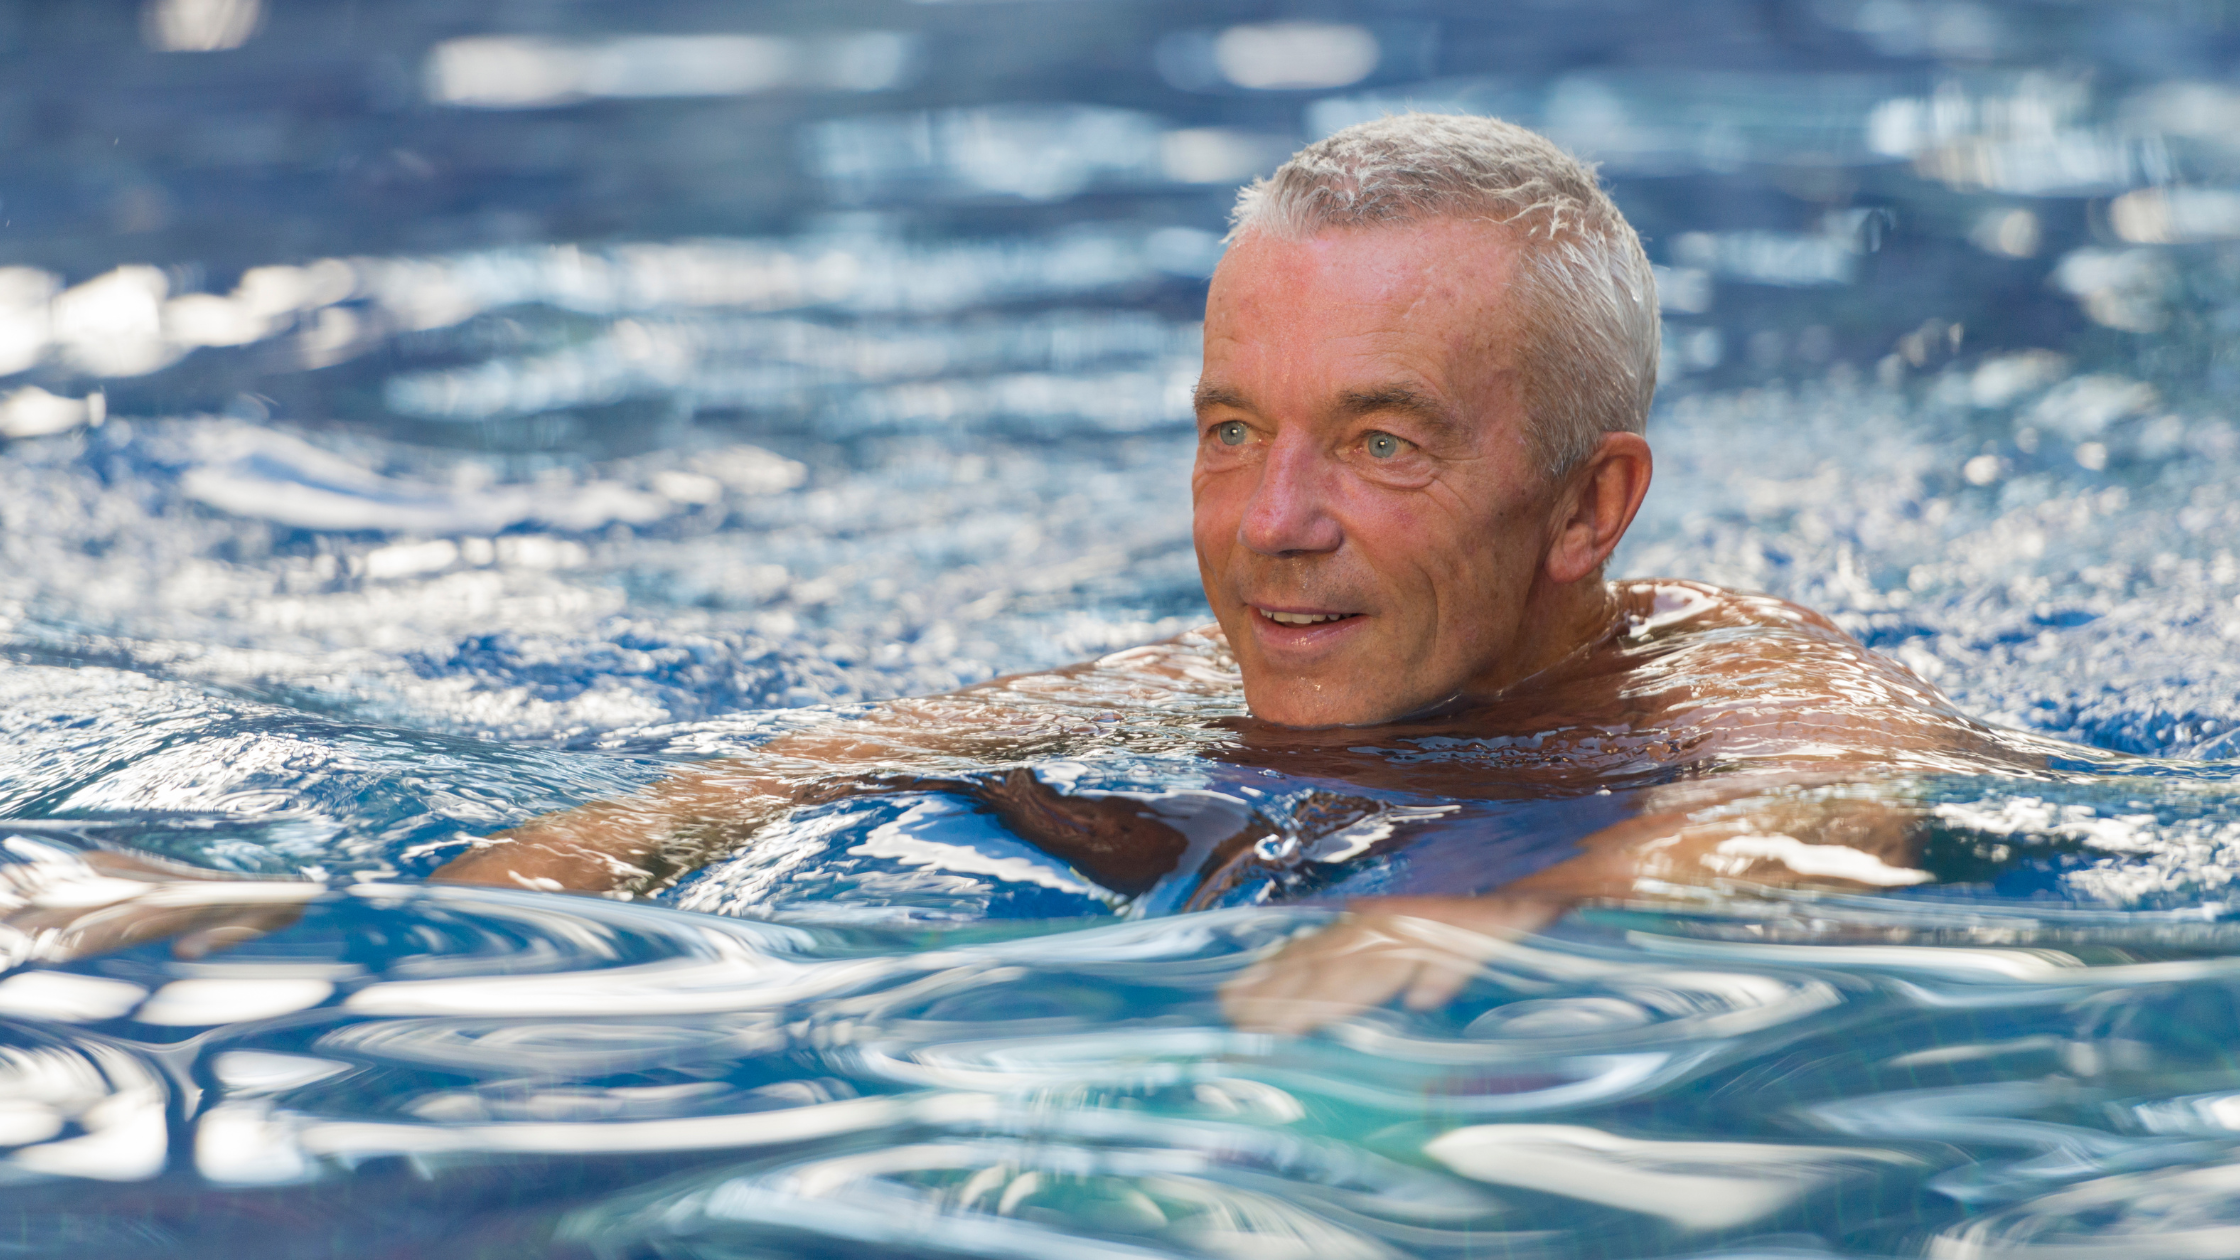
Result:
1232,433
1382,446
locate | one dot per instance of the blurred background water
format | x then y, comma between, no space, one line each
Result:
419,416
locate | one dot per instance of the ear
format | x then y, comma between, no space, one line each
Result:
1596,505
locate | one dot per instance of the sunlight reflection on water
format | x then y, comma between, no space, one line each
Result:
608,398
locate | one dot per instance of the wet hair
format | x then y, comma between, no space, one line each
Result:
1588,299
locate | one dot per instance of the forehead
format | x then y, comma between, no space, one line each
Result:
1434,296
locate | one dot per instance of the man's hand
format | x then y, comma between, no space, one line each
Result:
1425,948
72,905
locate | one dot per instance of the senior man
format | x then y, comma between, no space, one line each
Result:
1429,356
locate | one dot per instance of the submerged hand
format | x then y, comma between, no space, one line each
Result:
1426,948
61,909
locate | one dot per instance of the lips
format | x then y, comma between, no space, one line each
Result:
1298,641
1283,617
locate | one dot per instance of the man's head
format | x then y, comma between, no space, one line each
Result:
1429,356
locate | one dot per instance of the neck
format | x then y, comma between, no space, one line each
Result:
1559,622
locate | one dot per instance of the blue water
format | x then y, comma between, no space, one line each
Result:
420,419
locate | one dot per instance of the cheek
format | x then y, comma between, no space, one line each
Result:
1211,540
1443,561
1416,537
1203,532
1216,504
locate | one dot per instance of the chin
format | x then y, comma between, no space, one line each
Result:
1298,704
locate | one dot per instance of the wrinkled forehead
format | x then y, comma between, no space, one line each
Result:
1438,295
1428,276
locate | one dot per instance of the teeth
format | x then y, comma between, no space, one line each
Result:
1299,619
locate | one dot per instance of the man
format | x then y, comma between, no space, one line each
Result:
1430,351
1429,355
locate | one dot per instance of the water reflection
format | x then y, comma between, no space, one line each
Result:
1694,1185
486,412
495,72
727,1086
199,25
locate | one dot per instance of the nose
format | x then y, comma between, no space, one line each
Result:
1290,509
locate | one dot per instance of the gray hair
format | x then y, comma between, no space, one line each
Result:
1589,297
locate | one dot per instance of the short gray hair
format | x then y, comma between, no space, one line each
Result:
1589,297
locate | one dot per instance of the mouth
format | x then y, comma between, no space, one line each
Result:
1303,618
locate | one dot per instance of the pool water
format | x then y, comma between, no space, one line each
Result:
416,422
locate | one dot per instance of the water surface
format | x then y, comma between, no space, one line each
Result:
409,433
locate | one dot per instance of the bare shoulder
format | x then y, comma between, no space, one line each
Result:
1656,604
1756,676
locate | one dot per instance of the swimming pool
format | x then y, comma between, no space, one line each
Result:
418,422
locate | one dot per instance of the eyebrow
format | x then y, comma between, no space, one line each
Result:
1205,396
1400,397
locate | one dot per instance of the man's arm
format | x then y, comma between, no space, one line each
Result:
939,743
63,901
642,841
635,841
1425,949
686,820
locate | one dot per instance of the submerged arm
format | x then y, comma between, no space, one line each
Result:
938,744
645,840
1425,949
685,820
636,840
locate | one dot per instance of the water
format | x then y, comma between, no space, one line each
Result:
409,435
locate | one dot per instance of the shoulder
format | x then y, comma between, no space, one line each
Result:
1708,635
1653,606
1754,676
